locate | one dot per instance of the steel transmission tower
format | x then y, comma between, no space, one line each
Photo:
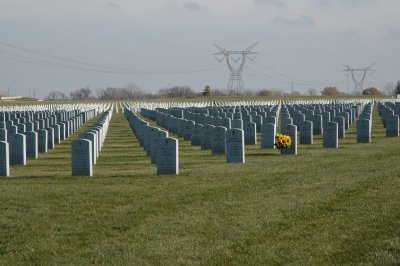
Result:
235,57
358,76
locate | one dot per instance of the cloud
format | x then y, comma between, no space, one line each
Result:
304,21
194,7
275,3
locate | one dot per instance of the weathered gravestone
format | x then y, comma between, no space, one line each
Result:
290,130
218,140
235,146
168,157
330,137
4,159
18,149
306,132
31,144
81,156
268,133
392,126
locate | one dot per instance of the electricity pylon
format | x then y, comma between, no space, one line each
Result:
235,80
358,75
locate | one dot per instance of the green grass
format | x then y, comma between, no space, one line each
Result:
321,207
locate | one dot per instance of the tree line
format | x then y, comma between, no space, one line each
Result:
132,91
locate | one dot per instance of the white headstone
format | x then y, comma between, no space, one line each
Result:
93,141
42,140
290,130
306,132
268,133
32,144
18,149
392,126
363,131
341,121
3,135
155,139
168,157
250,133
235,146
50,138
197,130
331,136
56,128
218,140
4,159
237,123
81,156
207,136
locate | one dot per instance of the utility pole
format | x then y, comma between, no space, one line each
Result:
8,90
358,76
231,58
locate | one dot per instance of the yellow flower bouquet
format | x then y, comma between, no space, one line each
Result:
282,141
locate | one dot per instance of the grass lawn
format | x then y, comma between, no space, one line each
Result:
321,207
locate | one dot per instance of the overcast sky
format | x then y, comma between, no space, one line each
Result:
64,45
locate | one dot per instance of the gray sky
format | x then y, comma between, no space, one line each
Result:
63,45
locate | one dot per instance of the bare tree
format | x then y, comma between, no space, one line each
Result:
390,89
56,96
132,91
82,94
177,91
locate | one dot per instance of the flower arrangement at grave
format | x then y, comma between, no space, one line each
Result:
282,141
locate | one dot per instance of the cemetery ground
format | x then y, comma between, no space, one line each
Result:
321,207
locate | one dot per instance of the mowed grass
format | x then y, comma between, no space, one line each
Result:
321,207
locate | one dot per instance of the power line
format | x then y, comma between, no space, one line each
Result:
290,78
88,67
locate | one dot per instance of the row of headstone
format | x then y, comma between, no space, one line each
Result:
163,150
24,134
364,125
86,149
335,119
389,113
